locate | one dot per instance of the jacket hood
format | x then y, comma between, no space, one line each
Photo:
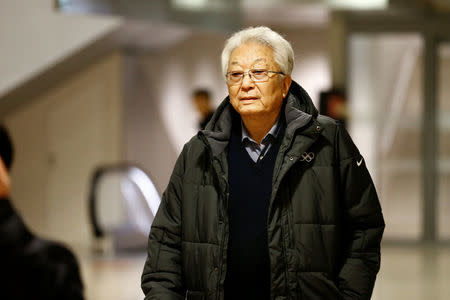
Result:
299,110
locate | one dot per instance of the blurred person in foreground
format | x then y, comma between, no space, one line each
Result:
31,268
271,200
202,102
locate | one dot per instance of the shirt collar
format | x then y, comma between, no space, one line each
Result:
272,132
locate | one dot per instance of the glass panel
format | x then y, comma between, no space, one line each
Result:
444,141
385,105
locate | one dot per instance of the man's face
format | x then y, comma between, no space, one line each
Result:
260,99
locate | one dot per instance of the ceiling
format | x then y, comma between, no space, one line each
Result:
157,24
227,15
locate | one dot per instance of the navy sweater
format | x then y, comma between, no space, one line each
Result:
248,273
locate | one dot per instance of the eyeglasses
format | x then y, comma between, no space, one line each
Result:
256,75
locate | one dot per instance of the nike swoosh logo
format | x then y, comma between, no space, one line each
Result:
358,163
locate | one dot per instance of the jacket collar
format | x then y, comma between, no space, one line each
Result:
299,112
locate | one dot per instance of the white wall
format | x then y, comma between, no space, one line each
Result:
312,68
33,36
147,142
194,63
59,139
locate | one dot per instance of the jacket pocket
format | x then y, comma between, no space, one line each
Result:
195,295
317,285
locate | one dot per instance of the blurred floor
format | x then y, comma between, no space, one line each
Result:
112,277
414,272
407,272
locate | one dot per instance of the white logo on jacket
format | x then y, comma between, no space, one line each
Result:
358,163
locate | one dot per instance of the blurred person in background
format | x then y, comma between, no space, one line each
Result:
202,102
31,267
333,103
271,200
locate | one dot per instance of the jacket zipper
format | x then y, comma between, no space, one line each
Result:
222,249
283,244
222,242
283,247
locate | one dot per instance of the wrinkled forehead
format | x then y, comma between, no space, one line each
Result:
252,54
257,61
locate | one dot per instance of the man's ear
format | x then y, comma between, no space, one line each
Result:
287,80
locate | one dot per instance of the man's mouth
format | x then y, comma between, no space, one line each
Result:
248,98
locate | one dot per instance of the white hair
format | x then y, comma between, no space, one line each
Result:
282,49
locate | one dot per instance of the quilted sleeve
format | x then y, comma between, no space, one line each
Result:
363,222
162,277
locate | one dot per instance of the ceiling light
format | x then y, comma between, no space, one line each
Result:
190,4
358,4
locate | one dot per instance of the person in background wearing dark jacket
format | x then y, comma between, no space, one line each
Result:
31,268
271,200
202,102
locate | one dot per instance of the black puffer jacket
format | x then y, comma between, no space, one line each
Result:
324,223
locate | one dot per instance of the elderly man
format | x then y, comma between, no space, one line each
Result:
271,200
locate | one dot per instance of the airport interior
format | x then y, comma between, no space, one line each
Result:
96,96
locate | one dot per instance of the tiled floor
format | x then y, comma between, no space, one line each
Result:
407,272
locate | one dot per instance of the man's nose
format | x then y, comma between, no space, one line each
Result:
247,81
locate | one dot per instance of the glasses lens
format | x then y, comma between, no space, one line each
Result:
259,75
256,75
235,77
